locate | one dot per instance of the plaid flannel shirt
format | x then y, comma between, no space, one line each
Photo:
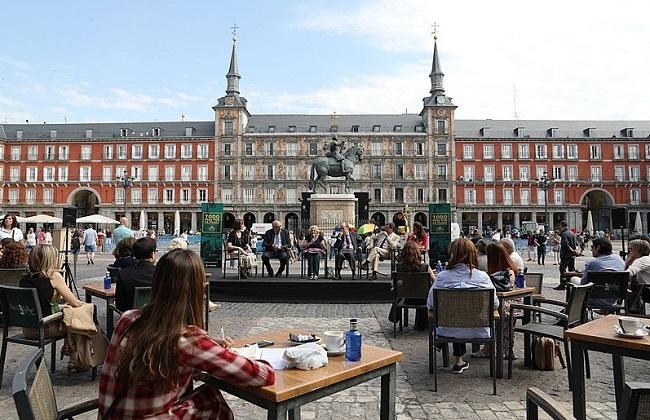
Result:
196,352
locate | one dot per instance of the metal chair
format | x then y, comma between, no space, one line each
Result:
536,399
323,257
608,285
411,291
463,308
37,401
11,276
114,272
637,394
535,280
573,314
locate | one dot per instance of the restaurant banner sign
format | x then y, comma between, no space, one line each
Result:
439,232
211,233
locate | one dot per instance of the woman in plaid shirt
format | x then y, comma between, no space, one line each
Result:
154,353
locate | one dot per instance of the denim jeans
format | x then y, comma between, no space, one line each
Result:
313,262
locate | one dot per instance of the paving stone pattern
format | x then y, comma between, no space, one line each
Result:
465,396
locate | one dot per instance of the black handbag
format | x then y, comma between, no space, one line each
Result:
501,281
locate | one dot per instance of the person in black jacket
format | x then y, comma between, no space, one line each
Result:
138,275
346,245
568,252
276,245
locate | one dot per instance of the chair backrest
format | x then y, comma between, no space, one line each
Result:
609,284
535,398
637,394
577,303
141,297
534,280
11,276
20,307
463,308
114,272
411,285
37,402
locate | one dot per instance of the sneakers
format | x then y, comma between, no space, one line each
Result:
213,306
480,355
458,369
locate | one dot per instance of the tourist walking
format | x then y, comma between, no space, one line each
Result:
90,244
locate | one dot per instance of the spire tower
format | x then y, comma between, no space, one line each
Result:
233,71
437,91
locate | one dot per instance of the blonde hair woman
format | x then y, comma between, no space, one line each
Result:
313,247
50,286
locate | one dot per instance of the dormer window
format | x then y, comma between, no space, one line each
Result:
271,129
627,132
52,134
189,131
334,128
89,133
355,128
397,128
551,132
292,128
590,132
312,128
485,132
520,132
156,132
251,129
19,134
419,128
124,132
376,128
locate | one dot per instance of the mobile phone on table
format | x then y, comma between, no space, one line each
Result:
262,343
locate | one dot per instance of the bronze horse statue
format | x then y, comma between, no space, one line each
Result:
329,166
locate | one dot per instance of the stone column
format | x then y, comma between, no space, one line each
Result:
533,216
161,220
500,220
459,218
480,222
193,222
517,222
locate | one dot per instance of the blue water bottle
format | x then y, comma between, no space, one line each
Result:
520,280
107,281
353,343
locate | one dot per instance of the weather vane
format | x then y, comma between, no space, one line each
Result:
434,32
234,32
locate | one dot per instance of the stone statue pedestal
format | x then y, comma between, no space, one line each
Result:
330,210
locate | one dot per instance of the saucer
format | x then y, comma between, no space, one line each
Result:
334,353
638,334
302,339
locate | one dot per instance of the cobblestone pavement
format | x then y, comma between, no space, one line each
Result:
466,396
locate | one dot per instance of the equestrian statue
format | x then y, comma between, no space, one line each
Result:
337,162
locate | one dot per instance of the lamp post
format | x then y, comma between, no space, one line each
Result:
543,183
125,182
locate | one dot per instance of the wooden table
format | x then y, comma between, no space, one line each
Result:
599,336
526,293
97,290
294,388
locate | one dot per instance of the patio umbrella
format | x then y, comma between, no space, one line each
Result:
97,219
143,223
18,218
42,218
638,226
177,223
367,228
590,224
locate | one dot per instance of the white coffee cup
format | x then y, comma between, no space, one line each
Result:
334,340
629,324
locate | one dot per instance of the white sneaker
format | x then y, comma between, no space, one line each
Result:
213,306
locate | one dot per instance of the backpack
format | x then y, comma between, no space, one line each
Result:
76,243
544,352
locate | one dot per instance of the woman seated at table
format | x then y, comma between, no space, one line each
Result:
50,286
462,273
419,236
239,242
154,352
14,254
313,247
122,253
638,265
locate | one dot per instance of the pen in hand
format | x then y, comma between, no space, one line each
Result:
223,335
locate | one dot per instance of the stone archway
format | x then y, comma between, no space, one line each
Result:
599,202
249,219
228,220
269,217
291,222
86,201
421,217
379,218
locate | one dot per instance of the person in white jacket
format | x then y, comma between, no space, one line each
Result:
638,261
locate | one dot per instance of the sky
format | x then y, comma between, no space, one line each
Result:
84,61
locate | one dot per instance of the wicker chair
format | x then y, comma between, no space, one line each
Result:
573,314
638,396
535,280
38,402
463,308
411,291
536,399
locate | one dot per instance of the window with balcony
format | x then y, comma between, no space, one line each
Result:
32,153
136,196
399,195
647,152
442,195
420,171
488,173
249,195
558,151
619,173
594,151
539,171
186,196
48,196
86,152
48,174
249,149
202,173
559,197
154,151
399,171
468,151
31,174
121,151
419,149
170,195
376,171
292,172
376,149
398,149
488,151
30,196
202,195
377,195
15,153
226,194
635,197
84,174
270,171
470,196
596,174
468,173
524,173
507,197
270,149
313,148
120,172
227,149
292,149
269,195
14,174
2,152
186,151
13,196
170,173
107,174
249,172
572,173
136,151
619,151
506,151
441,149
507,172
292,196
186,173
420,196
441,171
541,197
558,173
202,151
633,151
524,197
524,151
227,173
635,173
108,152
63,174
540,151
152,196
489,196
170,151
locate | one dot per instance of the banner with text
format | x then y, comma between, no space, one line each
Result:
439,232
211,233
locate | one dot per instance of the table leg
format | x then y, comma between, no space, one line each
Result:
526,320
499,350
388,393
279,412
109,319
89,297
619,381
577,378
294,413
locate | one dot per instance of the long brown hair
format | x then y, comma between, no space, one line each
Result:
411,257
151,352
463,251
498,258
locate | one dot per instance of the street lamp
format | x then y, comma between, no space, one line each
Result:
125,182
543,183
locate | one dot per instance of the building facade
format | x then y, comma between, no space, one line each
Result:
259,165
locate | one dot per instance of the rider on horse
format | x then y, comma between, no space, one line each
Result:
336,149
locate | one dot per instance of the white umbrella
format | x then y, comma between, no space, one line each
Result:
638,226
18,218
177,223
99,219
42,218
143,223
590,223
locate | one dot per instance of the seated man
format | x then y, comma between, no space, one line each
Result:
604,260
138,275
346,245
276,245
386,241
